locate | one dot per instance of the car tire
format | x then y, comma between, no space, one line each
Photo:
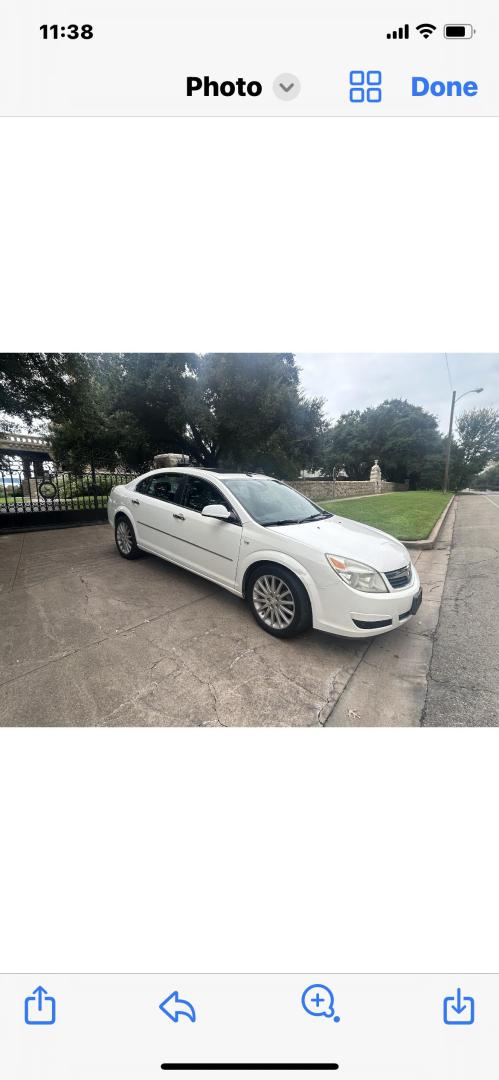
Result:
278,600
124,536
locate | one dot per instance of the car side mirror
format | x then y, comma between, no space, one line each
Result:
217,510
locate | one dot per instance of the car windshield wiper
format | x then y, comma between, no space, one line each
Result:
314,517
298,521
285,521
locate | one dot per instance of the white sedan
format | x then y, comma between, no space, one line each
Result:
297,565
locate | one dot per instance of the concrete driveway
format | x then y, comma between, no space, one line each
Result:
89,639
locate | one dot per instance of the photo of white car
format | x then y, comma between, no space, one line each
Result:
295,563
265,491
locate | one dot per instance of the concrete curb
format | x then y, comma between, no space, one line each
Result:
431,540
355,498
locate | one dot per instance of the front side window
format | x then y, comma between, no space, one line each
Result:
165,486
200,493
272,503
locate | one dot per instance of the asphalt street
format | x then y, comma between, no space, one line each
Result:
463,681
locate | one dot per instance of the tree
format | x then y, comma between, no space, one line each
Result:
235,410
39,385
478,435
251,413
94,430
488,480
402,436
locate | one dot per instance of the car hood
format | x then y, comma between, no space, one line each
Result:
341,536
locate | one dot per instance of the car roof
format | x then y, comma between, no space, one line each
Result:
194,470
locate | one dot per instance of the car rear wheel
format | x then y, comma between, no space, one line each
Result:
125,539
279,602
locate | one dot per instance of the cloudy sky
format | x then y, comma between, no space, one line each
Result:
356,380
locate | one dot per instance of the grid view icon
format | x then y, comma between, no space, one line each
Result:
365,86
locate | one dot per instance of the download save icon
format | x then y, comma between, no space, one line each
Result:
459,1009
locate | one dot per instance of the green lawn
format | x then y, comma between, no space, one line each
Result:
408,515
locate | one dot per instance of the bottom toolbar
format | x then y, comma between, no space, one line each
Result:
366,1027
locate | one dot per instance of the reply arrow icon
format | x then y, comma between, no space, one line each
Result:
174,1007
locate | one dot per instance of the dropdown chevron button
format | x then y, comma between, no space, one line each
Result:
286,86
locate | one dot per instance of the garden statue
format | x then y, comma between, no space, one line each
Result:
375,476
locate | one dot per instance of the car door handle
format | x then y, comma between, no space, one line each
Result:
136,501
179,517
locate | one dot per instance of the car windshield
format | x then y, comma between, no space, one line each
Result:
272,503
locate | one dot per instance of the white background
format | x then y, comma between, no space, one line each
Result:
150,850
249,850
309,235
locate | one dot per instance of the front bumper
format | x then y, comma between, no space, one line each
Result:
387,622
351,614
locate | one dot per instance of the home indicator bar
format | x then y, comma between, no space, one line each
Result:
253,1067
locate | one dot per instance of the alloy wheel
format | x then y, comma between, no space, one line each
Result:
124,537
274,602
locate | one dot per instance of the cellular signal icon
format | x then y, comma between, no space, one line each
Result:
402,32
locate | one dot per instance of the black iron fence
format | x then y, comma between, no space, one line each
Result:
55,497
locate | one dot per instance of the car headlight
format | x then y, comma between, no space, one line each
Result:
357,575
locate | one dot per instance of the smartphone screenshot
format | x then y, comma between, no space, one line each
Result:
249,532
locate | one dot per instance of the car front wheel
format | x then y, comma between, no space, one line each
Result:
279,602
125,539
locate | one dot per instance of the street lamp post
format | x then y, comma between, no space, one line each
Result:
455,399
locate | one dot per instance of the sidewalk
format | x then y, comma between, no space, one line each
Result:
389,686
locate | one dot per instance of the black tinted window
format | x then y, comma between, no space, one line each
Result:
164,486
199,493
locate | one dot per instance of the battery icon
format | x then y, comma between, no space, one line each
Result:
458,30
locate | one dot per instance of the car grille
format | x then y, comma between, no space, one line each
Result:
400,578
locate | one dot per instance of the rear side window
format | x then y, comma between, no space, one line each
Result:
199,493
164,486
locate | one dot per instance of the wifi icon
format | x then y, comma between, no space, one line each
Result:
426,29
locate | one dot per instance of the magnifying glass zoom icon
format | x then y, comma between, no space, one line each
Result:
318,1000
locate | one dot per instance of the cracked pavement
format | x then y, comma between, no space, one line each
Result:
92,640
463,685
390,684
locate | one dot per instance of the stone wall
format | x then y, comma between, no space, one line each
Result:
318,490
387,486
